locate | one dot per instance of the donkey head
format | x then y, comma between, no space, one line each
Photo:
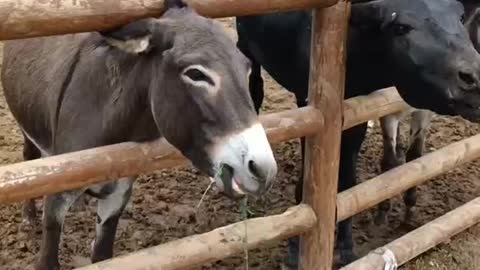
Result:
198,96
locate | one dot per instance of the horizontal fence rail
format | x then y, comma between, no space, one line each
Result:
422,239
35,178
50,175
401,178
32,18
361,109
215,245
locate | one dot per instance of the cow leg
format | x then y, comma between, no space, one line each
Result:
291,261
109,211
418,131
392,157
352,140
255,79
29,210
54,211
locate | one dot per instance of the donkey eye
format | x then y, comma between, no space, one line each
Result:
401,29
197,75
462,19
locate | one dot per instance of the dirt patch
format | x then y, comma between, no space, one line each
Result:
163,204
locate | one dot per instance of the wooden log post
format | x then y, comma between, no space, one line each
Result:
32,18
196,250
327,81
422,239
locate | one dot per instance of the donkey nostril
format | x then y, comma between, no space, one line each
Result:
252,166
467,78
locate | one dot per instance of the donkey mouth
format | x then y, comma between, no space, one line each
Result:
226,180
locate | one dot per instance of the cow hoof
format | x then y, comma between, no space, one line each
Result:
409,214
286,266
43,266
47,268
380,218
27,225
291,262
347,256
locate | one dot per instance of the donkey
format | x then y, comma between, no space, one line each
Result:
393,154
419,46
178,77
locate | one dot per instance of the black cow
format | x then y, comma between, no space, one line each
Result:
393,154
419,46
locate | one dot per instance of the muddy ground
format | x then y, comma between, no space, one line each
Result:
163,204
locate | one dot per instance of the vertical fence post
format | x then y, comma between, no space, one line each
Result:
322,151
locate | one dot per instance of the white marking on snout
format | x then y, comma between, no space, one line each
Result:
212,89
236,150
259,149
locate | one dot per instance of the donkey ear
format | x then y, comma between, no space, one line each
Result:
368,14
132,38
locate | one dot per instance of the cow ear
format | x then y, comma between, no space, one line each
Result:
368,15
132,38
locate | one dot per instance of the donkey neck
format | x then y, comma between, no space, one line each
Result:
128,112
106,101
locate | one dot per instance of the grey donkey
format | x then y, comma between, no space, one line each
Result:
178,77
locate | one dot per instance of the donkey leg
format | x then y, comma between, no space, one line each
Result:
392,157
418,131
29,210
109,211
55,209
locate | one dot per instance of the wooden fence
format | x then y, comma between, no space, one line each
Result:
315,218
